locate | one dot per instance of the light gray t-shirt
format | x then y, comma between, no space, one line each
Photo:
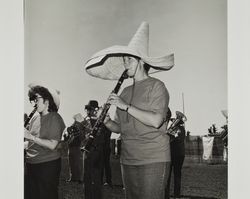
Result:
49,126
142,144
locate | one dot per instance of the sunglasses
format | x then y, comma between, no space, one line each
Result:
35,100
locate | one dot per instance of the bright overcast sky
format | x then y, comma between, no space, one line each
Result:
61,35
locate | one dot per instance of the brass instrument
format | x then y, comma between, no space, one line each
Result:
100,119
76,130
173,129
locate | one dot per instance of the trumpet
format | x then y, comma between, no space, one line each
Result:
179,120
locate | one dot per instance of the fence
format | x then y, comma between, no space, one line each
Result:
193,150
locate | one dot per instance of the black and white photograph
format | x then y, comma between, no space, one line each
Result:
125,99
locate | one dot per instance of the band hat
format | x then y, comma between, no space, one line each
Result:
108,63
54,93
93,104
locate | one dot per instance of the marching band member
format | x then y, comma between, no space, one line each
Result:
177,146
140,114
44,133
94,160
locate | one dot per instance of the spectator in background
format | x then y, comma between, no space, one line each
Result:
177,146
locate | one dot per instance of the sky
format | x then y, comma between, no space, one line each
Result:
60,36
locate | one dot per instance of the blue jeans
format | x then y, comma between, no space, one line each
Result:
145,181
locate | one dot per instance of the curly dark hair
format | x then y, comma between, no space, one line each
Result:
45,94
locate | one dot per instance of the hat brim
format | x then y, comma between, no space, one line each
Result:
90,107
108,63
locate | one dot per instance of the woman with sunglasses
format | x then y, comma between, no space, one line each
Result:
44,133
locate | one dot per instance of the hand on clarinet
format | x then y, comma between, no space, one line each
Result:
114,99
28,136
107,118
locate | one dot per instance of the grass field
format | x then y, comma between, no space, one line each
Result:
199,181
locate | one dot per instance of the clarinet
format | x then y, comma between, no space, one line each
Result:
100,119
30,116
26,123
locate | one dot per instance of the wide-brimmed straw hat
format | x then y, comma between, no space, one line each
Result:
54,93
108,63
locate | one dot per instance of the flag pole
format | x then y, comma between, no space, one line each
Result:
183,106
